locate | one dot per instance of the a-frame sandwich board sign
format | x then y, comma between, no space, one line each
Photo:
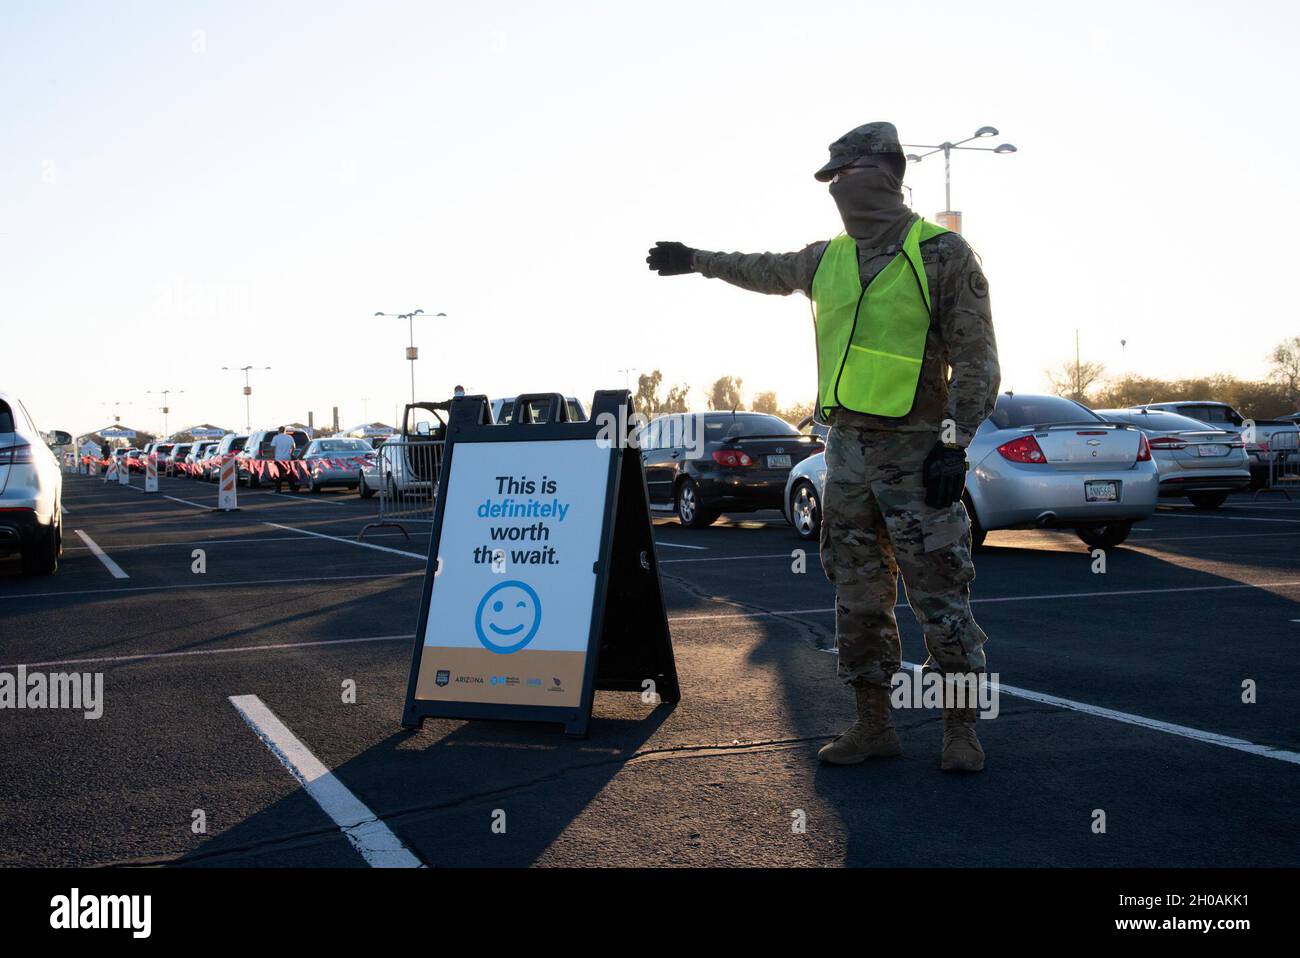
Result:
542,583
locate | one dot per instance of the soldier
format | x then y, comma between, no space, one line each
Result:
895,457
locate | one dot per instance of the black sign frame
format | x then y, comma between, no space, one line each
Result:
628,640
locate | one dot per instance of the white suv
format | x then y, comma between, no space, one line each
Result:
31,490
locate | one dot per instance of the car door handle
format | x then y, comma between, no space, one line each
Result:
674,455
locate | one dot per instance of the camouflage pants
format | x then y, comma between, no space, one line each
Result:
875,523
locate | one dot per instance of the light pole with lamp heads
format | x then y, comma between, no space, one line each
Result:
165,409
950,218
412,353
248,393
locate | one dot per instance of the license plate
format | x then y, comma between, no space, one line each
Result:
1211,450
778,462
1098,491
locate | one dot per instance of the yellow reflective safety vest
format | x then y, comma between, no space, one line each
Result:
871,342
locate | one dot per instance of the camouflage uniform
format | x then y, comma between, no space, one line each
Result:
875,522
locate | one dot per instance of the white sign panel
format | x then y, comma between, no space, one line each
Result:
510,613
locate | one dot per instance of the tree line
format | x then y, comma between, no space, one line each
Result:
723,394
1276,395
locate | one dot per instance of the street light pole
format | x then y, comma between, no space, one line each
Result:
951,218
248,393
165,410
412,353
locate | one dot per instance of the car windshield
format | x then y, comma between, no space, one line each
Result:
742,425
6,418
1013,412
342,445
1158,421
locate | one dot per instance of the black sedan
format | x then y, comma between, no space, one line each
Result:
700,465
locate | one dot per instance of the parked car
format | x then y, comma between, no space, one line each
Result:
503,410
337,462
258,448
1220,415
700,465
162,454
31,490
1195,459
409,463
193,461
232,444
1036,462
177,455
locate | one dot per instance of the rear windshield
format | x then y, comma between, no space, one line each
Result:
1158,421
6,418
165,447
342,445
237,443
1012,412
726,426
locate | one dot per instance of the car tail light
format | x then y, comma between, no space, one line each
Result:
816,448
732,458
1167,442
10,455
1024,449
1263,446
1144,448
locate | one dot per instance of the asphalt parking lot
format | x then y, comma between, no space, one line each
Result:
1122,693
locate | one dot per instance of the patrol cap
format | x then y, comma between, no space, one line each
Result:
865,140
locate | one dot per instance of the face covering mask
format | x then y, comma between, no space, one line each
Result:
871,205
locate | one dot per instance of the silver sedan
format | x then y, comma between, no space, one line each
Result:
336,462
1036,462
1195,459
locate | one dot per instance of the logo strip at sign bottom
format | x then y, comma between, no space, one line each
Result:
542,584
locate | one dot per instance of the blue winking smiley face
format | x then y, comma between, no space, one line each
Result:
508,616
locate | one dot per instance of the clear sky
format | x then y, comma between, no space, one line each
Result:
186,186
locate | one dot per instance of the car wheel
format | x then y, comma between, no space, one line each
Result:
43,558
977,531
1104,535
363,490
1207,500
690,512
806,510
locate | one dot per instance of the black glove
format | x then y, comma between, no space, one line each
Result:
670,259
944,476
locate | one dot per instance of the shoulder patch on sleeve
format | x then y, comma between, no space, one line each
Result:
979,286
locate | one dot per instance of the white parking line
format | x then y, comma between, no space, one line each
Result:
102,556
1200,515
258,540
210,585
187,502
1278,584
769,555
352,542
1128,718
373,839
269,647
678,545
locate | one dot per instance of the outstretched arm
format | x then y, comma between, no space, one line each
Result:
776,273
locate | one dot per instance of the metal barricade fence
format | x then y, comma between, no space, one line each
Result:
406,472
1284,463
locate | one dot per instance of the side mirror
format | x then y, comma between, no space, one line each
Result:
422,428
60,438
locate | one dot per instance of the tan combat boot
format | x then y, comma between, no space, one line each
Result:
962,751
872,735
